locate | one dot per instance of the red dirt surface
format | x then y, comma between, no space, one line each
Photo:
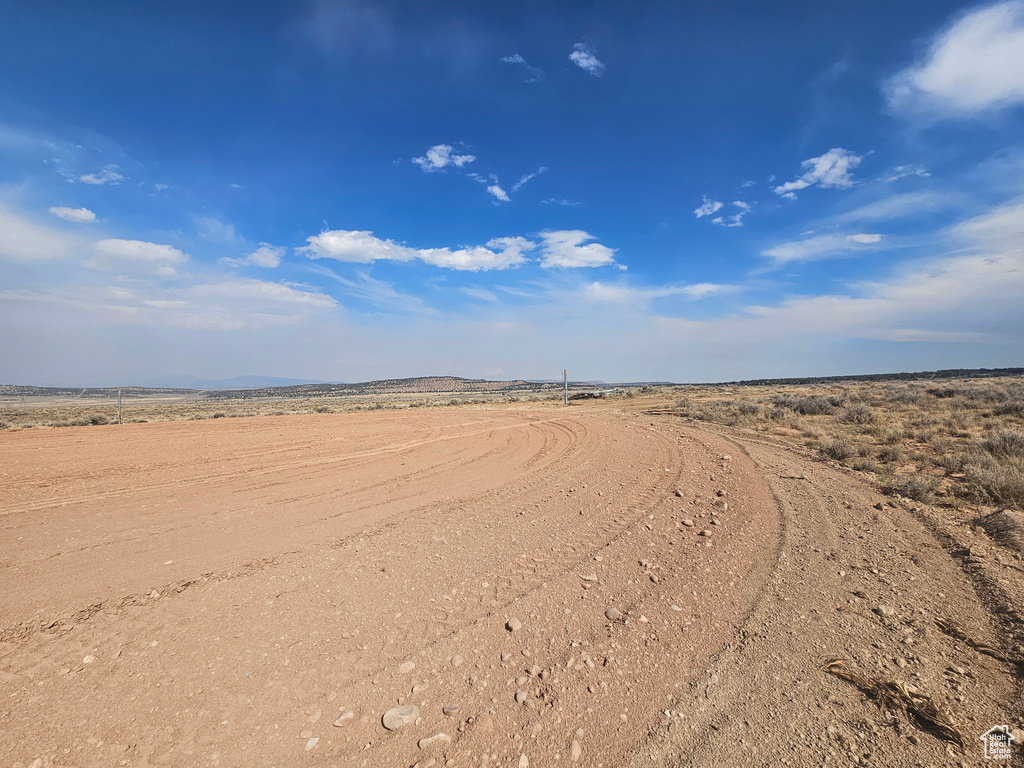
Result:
217,593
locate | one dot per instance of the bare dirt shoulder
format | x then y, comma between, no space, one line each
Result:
898,592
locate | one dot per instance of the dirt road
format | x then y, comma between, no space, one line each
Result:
544,585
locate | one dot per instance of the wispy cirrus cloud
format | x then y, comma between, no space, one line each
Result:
527,177
975,66
441,156
735,219
832,170
533,74
108,175
898,206
584,57
821,247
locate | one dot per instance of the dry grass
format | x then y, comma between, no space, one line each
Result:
949,442
900,697
23,413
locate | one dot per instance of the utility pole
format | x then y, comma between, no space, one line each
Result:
119,406
565,383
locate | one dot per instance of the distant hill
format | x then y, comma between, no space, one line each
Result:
418,385
238,382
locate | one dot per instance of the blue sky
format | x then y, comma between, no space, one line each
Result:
345,190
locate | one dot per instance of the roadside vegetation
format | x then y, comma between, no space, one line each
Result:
943,442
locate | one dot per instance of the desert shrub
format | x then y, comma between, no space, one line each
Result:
1013,408
954,463
98,418
749,409
866,465
840,449
858,414
912,486
892,436
943,393
4,425
218,415
321,408
1005,445
890,454
1004,484
908,396
812,405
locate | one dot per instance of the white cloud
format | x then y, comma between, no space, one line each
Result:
440,157
78,215
533,74
23,240
736,219
134,256
377,292
108,175
583,57
897,207
830,171
560,201
974,66
481,294
361,247
640,297
571,248
822,247
903,171
267,256
748,183
217,231
708,207
499,193
526,177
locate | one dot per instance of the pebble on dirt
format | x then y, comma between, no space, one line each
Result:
513,624
344,717
396,717
613,614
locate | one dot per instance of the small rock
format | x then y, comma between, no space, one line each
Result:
688,522
344,717
613,614
883,611
705,532
653,577
589,577
575,751
679,494
513,624
457,660
450,711
407,667
716,521
312,743
430,762
524,762
520,697
396,717
430,742
506,656
89,659
675,607
719,493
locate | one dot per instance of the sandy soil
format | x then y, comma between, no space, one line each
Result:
545,585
